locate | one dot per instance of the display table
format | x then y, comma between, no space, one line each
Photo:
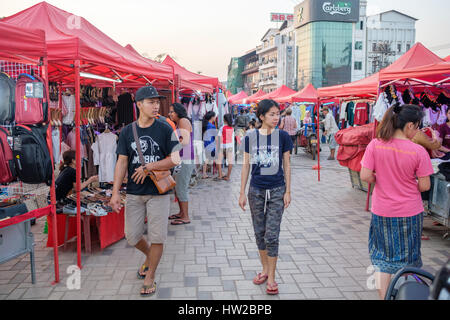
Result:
110,229
16,238
439,199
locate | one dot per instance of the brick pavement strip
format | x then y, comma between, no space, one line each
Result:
323,250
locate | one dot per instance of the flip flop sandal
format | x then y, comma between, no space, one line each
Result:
142,269
179,222
260,279
272,291
175,217
147,288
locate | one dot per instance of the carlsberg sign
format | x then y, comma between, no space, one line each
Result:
342,8
326,10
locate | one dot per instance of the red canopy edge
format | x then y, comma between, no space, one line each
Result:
21,44
70,37
307,94
281,92
190,76
237,98
182,83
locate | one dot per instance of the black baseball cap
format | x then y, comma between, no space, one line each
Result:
148,92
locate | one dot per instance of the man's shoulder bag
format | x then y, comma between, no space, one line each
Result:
163,180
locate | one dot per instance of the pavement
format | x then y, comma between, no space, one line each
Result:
323,249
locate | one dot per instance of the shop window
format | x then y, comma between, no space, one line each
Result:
408,46
361,25
399,48
374,46
358,65
358,45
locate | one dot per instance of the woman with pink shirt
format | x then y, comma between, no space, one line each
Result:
400,171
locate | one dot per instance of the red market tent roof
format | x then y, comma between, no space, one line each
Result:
237,98
281,92
250,99
308,94
70,37
417,56
188,75
447,59
21,44
183,84
361,88
427,75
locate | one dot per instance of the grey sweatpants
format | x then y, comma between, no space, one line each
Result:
267,208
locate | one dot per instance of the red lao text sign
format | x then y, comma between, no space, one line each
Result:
281,17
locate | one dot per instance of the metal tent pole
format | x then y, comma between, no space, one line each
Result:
78,157
318,138
52,187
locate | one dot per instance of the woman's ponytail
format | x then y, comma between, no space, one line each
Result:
397,117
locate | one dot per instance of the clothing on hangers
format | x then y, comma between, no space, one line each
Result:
125,109
69,107
350,110
104,154
361,114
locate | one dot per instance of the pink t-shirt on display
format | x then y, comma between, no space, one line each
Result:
397,164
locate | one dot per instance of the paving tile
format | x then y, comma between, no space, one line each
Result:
34,293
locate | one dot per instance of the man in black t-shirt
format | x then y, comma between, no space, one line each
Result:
158,143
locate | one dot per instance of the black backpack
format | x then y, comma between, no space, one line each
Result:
31,155
7,99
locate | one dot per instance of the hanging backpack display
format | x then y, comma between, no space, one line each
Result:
6,158
7,99
31,100
31,155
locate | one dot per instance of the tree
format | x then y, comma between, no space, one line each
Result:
160,57
199,72
380,55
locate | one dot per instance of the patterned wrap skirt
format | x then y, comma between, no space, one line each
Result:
394,243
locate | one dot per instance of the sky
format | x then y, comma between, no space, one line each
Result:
203,35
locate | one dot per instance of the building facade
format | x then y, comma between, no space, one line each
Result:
389,35
325,41
268,60
235,82
359,55
250,75
287,56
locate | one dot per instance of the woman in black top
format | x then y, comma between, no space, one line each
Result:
68,176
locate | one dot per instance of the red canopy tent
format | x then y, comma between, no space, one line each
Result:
366,87
429,75
256,95
182,84
28,47
75,46
21,45
70,38
190,76
307,94
237,98
417,56
281,92
447,59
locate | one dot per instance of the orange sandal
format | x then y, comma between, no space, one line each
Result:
260,279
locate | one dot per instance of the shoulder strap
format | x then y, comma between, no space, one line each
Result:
138,144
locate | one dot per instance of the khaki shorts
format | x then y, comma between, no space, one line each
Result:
156,209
